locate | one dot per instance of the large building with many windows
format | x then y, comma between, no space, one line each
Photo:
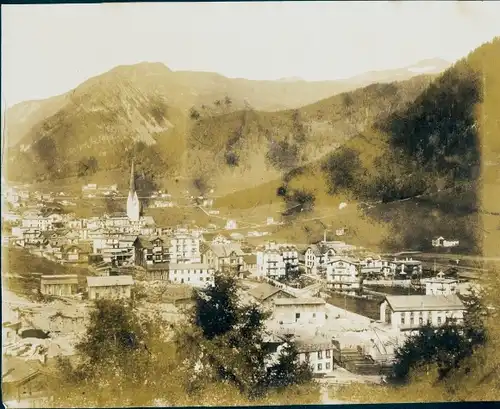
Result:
276,260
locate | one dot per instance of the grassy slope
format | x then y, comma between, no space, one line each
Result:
29,267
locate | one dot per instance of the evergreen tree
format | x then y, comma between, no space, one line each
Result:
225,344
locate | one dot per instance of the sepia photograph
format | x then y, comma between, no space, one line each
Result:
250,203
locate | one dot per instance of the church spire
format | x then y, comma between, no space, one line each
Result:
132,179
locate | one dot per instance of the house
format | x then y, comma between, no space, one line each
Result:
316,256
250,263
266,294
75,254
275,260
407,267
440,285
342,274
61,285
300,311
224,257
24,383
157,271
318,352
109,287
195,274
218,238
372,266
231,225
410,312
442,242
36,222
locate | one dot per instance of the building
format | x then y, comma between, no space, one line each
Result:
266,294
440,285
411,312
24,383
224,257
114,287
61,285
231,225
442,242
194,274
177,248
316,257
157,271
275,260
318,353
300,311
250,263
133,203
407,267
342,275
36,222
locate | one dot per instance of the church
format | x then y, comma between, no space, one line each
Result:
132,221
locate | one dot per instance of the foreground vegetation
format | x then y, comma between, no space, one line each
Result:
217,356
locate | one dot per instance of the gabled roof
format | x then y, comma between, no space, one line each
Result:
299,301
250,259
109,281
263,291
60,279
425,302
225,250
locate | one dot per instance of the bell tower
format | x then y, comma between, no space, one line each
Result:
133,204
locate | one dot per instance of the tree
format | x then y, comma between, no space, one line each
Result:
343,168
288,370
125,360
224,343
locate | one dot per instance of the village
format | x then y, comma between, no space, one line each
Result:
347,308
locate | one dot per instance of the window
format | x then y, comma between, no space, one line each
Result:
327,365
320,354
297,316
412,318
402,319
439,320
307,356
320,367
314,315
328,353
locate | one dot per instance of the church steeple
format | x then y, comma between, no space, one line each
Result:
132,179
133,203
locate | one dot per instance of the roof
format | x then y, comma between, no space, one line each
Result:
60,279
191,266
224,250
157,266
250,259
424,302
109,281
263,291
299,301
313,345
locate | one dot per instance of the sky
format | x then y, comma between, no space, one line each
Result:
50,49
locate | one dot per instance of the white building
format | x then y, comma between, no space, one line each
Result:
114,287
231,225
37,222
317,256
442,242
410,312
342,274
300,311
318,353
275,259
440,285
195,274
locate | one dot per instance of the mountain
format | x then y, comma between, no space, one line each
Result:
130,111
428,168
185,89
428,66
